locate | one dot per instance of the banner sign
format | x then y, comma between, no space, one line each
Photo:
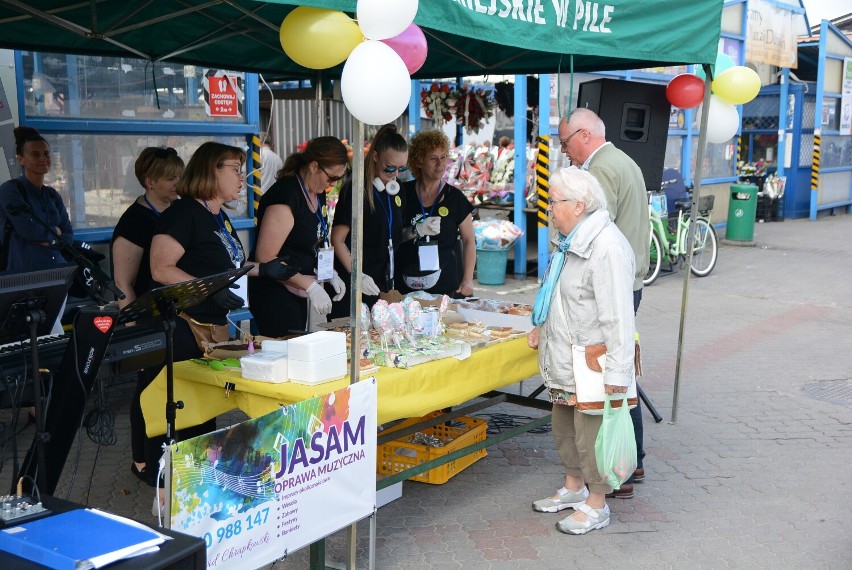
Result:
846,98
770,36
271,485
223,94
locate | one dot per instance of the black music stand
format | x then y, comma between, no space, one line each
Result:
166,302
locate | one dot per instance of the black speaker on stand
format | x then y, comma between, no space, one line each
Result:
636,116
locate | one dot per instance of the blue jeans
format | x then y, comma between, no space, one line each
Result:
636,413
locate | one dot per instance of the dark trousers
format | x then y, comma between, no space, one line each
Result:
636,413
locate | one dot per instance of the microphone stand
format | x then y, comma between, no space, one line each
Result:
91,270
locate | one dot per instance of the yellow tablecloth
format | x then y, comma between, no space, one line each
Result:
402,393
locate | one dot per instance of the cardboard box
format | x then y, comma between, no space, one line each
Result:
493,319
394,296
388,494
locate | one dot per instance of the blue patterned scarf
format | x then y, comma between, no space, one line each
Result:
548,286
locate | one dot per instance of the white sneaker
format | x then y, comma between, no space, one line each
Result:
565,499
595,519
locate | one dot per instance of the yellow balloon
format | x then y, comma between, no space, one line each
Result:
737,85
318,39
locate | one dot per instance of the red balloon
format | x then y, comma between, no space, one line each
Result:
685,91
411,47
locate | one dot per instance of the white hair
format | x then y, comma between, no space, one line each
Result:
582,118
578,185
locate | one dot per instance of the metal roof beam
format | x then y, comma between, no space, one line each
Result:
164,18
71,26
252,15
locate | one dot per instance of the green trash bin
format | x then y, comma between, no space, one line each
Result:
491,266
741,212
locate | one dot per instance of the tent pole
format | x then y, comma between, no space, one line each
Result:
320,113
693,212
356,249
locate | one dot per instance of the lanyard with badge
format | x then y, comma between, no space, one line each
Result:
427,253
389,215
234,250
325,253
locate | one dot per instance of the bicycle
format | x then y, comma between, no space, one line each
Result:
669,244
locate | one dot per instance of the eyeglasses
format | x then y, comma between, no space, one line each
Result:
237,168
551,201
165,152
564,142
331,179
393,169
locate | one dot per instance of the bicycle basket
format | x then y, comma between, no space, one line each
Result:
705,203
657,199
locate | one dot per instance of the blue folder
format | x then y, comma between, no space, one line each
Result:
78,540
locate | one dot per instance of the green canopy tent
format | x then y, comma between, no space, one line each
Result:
466,37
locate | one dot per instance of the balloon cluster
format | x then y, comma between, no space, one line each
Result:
381,52
732,85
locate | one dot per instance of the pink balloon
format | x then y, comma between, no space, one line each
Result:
410,45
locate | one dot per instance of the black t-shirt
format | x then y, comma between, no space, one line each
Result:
136,225
453,207
375,260
308,232
210,244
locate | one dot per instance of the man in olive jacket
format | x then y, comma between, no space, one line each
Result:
582,136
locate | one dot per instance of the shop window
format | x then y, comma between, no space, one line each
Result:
674,153
836,151
719,160
95,173
96,87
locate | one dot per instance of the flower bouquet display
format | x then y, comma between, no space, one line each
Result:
439,102
474,108
495,234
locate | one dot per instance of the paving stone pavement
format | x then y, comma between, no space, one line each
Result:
751,475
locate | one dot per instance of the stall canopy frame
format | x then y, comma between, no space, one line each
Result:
243,34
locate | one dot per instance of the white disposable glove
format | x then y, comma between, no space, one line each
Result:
320,301
430,227
368,286
339,287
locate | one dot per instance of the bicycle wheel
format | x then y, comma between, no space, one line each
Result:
705,248
656,260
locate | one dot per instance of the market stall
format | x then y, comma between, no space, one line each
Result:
402,393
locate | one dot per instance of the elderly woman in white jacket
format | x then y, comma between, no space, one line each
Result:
586,299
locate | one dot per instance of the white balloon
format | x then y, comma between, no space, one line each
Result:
383,19
722,122
375,84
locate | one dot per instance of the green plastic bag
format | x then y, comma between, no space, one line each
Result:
615,446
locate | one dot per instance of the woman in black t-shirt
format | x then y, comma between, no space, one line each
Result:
195,238
292,221
426,198
158,171
381,227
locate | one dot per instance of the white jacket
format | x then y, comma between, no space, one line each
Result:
592,304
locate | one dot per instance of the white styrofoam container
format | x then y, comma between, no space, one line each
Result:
492,319
265,367
317,371
317,346
272,345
